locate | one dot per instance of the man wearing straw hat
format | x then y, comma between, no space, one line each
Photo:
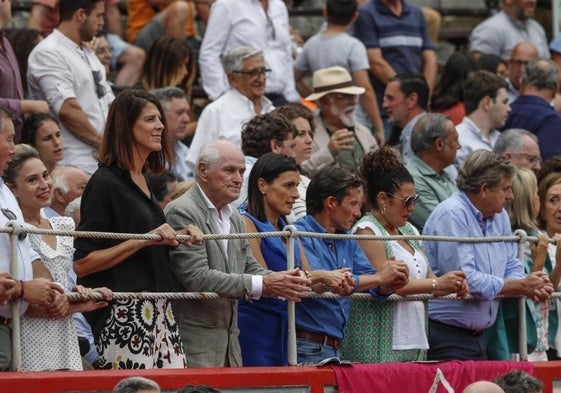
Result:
338,138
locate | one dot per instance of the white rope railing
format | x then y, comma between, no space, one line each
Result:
15,230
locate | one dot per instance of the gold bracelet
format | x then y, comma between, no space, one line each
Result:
308,275
433,286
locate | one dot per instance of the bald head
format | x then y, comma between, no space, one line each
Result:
521,54
483,387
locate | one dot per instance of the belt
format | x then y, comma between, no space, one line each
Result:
5,321
320,338
472,332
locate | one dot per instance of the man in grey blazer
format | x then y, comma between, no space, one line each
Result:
209,328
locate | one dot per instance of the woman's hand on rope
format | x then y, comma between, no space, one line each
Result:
539,252
58,307
537,286
452,282
394,275
167,234
88,303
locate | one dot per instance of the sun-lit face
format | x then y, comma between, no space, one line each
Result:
451,144
398,209
32,185
343,107
92,23
148,130
495,198
499,108
280,194
395,104
344,215
251,87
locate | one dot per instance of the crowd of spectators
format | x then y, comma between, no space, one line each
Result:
204,119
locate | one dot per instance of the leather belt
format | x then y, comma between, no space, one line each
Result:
472,332
5,321
320,338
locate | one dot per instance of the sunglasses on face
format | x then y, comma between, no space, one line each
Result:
10,215
407,201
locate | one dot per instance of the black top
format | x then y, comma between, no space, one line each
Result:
112,202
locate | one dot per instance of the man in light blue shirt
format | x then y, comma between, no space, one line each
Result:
456,328
334,198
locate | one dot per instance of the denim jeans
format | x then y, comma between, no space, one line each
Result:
312,352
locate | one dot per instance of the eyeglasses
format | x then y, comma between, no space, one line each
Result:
102,49
255,73
532,159
99,87
519,62
10,215
407,201
343,97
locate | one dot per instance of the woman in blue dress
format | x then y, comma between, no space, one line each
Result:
272,190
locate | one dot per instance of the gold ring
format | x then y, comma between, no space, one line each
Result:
459,283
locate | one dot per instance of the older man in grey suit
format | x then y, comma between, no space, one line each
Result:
209,328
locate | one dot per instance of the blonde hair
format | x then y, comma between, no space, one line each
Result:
522,209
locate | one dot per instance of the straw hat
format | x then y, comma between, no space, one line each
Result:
333,80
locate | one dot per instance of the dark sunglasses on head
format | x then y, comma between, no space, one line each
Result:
10,215
407,201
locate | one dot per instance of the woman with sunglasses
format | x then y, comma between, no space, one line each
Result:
398,333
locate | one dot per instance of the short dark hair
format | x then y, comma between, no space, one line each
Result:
117,145
32,124
517,381
413,82
268,167
198,389
67,8
330,181
481,84
295,110
258,133
340,12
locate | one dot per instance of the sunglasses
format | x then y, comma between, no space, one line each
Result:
99,87
407,201
10,215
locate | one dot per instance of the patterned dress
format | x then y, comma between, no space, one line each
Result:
49,344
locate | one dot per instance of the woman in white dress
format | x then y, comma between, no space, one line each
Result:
49,340
399,336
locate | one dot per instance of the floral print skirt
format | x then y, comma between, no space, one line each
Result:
140,334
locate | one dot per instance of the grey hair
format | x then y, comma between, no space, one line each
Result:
483,167
58,178
5,113
165,95
543,74
428,128
72,207
511,140
517,381
233,59
209,155
133,384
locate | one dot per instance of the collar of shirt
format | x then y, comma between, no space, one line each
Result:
384,9
266,104
476,132
517,23
226,212
482,221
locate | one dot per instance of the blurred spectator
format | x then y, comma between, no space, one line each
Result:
66,72
23,41
338,138
448,96
41,130
126,59
335,47
396,37
11,88
494,64
521,54
532,110
67,183
483,387
520,147
516,381
260,25
198,389
224,118
405,100
148,20
550,165
487,108
513,24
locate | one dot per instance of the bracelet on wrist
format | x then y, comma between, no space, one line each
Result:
308,275
433,286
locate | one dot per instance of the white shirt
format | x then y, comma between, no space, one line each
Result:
181,169
59,70
25,253
471,140
234,23
223,225
224,119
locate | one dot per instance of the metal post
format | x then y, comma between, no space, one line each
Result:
522,339
291,341
16,342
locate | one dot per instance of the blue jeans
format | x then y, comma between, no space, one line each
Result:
312,352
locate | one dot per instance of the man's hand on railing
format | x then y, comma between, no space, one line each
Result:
287,285
452,282
39,291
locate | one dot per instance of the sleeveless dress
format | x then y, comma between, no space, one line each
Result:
391,331
263,323
49,344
